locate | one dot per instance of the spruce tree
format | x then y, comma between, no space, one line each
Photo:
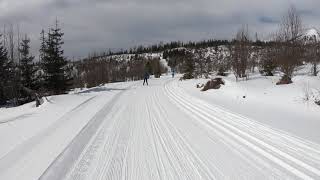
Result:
27,67
188,66
6,73
148,67
54,63
42,46
40,75
156,67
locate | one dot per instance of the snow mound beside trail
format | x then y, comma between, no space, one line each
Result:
312,35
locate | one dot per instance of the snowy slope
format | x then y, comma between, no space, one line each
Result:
285,107
167,130
312,35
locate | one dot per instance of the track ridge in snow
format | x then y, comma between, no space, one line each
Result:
197,164
249,136
67,158
33,141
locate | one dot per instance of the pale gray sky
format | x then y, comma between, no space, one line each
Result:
96,25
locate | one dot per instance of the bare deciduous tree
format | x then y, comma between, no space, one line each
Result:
267,62
220,60
289,45
316,59
312,52
199,57
240,53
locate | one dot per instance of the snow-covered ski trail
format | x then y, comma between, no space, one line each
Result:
161,132
31,158
65,160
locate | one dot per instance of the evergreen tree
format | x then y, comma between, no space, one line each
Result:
188,66
40,76
148,67
42,46
6,73
27,67
268,61
156,66
54,63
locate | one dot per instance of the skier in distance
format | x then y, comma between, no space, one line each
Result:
146,77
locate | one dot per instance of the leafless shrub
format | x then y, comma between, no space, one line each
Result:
307,93
312,53
288,47
317,99
240,53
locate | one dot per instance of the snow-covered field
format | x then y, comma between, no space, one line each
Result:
288,107
167,130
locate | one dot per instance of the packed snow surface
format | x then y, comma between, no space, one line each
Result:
167,130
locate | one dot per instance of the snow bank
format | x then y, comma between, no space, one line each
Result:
285,107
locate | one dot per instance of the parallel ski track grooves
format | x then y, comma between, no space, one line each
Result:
197,164
92,156
206,113
171,147
17,118
33,141
293,145
79,142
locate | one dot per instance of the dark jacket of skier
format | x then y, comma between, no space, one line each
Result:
146,77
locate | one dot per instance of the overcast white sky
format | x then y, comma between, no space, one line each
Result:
96,25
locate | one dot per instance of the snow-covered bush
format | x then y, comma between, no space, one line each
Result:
310,94
317,99
307,93
213,84
284,80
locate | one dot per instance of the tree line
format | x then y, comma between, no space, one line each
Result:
94,71
160,47
285,53
21,78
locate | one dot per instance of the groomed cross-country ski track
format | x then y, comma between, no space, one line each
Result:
159,132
